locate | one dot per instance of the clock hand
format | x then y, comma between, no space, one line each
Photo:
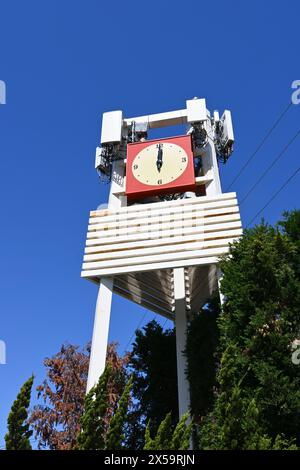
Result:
159,161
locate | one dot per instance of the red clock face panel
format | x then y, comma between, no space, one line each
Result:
160,166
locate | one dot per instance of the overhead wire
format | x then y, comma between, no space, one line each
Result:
137,327
274,195
281,153
260,145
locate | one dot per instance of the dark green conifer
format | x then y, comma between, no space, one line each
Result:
18,433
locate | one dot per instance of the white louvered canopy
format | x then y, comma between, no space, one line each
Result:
139,246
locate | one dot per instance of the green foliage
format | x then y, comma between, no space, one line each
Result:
182,434
257,405
93,425
115,434
163,436
97,431
153,364
169,437
149,442
202,341
18,434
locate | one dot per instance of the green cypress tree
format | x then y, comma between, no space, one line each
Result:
254,438
115,434
258,394
93,425
163,437
149,442
182,434
169,437
18,434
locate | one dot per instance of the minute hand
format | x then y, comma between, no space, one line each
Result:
159,161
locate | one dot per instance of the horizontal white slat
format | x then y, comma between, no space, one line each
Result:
161,280
205,282
200,222
148,287
153,211
158,300
159,237
149,267
155,308
171,204
193,212
157,258
209,229
172,248
163,241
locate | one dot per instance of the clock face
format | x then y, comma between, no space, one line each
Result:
159,164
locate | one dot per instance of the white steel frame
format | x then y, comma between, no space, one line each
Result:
103,262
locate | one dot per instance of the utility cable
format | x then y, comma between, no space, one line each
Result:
260,145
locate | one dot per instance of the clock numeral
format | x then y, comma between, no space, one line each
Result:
183,159
135,167
159,181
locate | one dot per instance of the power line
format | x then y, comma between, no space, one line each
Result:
137,327
259,145
274,195
270,167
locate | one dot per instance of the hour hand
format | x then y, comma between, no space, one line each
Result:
159,161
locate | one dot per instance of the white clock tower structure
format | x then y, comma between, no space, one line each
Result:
166,224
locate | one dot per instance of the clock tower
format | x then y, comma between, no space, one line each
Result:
167,222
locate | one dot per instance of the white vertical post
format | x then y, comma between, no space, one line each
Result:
181,332
220,277
104,300
100,332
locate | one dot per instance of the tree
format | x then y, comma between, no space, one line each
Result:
201,346
96,433
93,423
18,434
168,436
115,434
56,421
181,437
258,393
153,365
235,422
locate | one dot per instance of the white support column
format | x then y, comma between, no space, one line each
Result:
105,292
100,332
181,332
210,163
117,185
220,277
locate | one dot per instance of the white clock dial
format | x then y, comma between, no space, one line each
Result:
159,164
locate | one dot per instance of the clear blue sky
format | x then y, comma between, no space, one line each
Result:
64,64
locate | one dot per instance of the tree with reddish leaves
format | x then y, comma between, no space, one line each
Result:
56,421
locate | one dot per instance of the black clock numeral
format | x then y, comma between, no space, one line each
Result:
159,181
135,167
183,159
